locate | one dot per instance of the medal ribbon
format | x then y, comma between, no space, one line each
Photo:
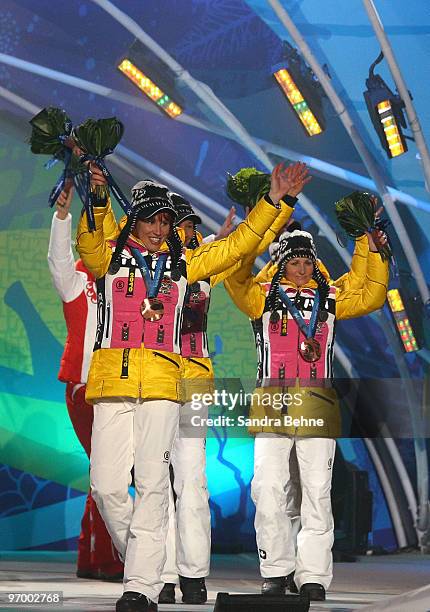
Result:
152,285
59,185
307,329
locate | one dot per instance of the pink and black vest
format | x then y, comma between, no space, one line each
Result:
278,341
194,327
119,297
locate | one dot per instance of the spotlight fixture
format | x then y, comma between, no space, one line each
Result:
302,89
152,78
403,325
386,112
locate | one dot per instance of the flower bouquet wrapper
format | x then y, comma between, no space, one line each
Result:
356,214
97,138
50,135
248,186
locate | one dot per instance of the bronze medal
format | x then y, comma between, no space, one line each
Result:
152,309
322,316
310,350
274,317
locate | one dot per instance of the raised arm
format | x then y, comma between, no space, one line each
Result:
68,282
287,209
217,256
285,185
355,277
355,301
92,246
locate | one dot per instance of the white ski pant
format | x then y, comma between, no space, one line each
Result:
313,560
293,493
129,432
189,536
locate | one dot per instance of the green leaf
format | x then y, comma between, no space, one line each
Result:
356,215
98,137
247,186
47,127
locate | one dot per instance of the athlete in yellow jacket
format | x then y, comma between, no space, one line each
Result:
192,551
136,368
294,313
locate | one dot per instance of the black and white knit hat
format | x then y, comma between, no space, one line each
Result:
184,209
292,244
149,198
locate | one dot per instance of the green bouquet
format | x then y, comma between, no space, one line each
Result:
98,138
51,135
51,129
356,214
248,186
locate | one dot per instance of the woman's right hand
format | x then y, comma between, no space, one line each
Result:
288,181
64,202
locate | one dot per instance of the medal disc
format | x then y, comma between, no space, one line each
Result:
274,316
322,316
310,350
152,309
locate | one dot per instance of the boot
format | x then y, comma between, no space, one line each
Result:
135,602
193,590
167,595
315,591
274,586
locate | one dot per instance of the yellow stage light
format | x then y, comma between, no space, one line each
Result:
150,88
297,101
404,327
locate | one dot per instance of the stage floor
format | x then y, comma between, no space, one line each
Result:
367,582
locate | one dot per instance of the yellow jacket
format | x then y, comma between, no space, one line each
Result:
287,209
157,374
358,292
200,369
353,279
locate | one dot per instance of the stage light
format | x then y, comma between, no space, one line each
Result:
145,84
404,327
385,110
302,90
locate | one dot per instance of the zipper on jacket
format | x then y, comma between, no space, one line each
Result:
202,365
298,339
107,319
178,326
266,360
321,397
166,358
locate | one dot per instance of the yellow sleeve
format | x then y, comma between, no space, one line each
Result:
266,274
282,219
356,302
269,236
354,279
92,246
248,295
216,279
215,257
110,226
